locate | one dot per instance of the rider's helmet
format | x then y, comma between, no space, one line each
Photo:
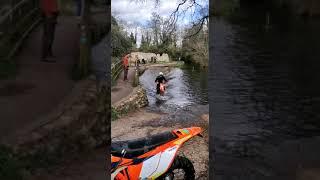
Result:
160,73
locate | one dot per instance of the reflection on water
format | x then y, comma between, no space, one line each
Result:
265,94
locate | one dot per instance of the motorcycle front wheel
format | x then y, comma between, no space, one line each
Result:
181,168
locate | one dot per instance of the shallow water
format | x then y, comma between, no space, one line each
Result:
186,95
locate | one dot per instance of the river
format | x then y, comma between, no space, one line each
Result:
264,97
186,96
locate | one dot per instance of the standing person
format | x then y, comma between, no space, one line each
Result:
125,63
79,7
137,60
50,12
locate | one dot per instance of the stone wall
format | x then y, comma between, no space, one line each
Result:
81,122
137,99
75,126
147,57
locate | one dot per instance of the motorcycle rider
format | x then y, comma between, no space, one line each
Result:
160,79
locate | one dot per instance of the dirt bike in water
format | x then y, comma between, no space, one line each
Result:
153,157
162,89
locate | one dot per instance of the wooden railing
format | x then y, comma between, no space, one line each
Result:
116,69
15,24
91,33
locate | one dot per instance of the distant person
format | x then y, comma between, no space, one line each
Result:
50,12
143,61
125,63
137,60
160,79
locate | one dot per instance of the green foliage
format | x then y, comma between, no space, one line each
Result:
195,46
133,39
114,114
162,47
67,7
120,42
14,165
227,7
9,166
162,39
7,69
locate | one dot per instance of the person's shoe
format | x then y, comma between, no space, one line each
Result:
52,56
48,60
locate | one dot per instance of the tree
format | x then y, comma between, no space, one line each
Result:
135,38
155,25
132,38
195,48
199,16
120,42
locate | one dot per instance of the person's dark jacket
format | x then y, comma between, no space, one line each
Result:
160,79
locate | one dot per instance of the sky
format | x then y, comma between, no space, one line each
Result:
137,14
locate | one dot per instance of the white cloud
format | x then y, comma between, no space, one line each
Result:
137,13
140,12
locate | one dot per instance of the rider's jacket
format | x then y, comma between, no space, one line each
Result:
160,79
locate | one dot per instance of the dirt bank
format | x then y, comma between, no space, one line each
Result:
143,123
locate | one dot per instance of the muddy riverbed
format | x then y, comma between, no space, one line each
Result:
144,123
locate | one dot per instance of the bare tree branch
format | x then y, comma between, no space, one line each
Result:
193,3
200,24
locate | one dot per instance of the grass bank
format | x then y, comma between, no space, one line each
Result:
18,166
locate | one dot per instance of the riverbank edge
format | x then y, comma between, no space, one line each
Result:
137,99
73,128
139,118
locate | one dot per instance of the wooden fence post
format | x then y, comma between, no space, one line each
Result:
85,40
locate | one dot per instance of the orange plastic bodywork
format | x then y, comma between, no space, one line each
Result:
162,88
133,171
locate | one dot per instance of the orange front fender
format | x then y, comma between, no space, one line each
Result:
186,134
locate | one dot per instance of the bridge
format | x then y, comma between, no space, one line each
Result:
30,88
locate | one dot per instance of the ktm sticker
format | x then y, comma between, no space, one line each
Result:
186,131
180,141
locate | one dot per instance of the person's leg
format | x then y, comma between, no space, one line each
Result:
158,88
125,74
52,30
80,7
45,39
